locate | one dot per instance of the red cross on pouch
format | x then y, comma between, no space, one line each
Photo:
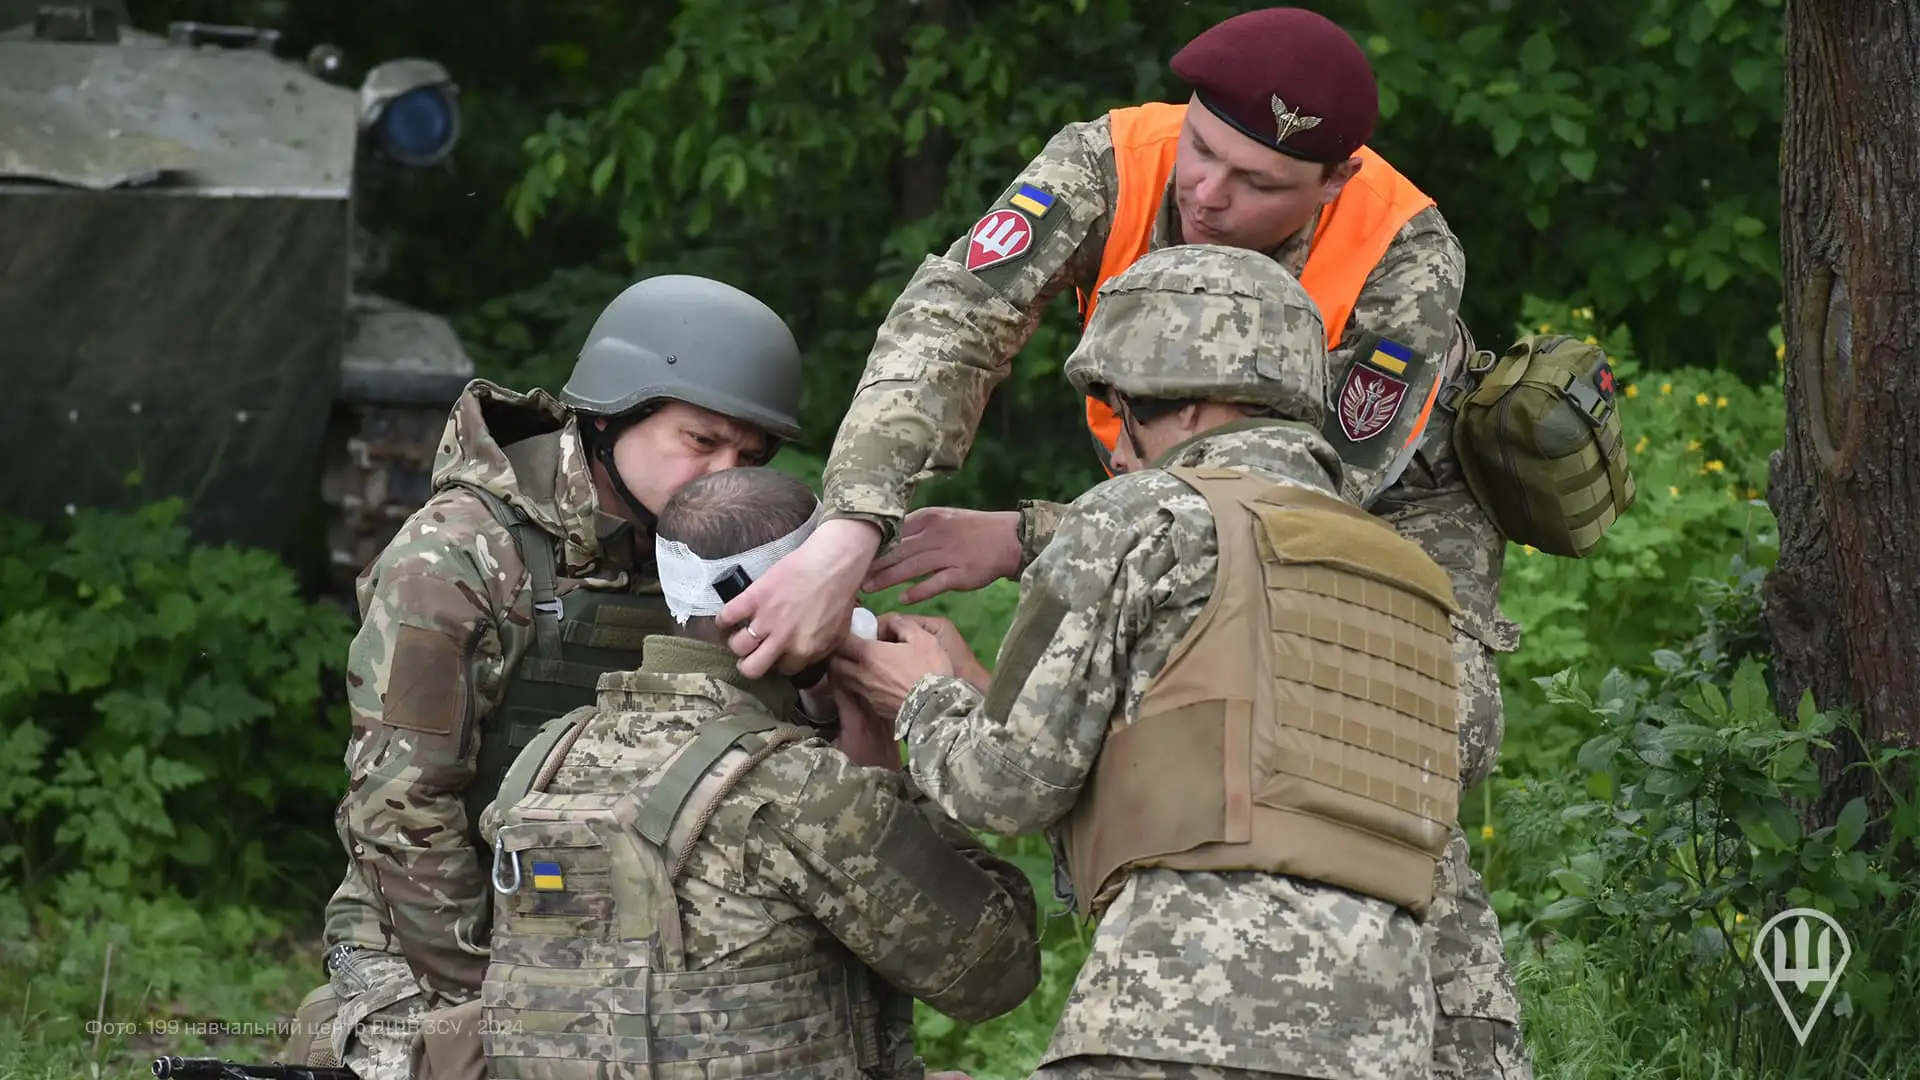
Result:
1604,380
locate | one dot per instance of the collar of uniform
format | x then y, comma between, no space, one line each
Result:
619,542
1191,447
1291,253
664,654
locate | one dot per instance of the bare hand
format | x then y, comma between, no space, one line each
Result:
880,674
953,550
799,612
952,642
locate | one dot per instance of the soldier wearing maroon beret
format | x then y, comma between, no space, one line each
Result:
1287,79
1269,153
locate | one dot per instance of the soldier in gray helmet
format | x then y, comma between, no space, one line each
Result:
497,606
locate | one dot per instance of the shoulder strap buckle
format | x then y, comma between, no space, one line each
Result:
538,550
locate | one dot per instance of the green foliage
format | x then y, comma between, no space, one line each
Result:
103,985
1698,442
1621,153
161,713
1642,875
815,153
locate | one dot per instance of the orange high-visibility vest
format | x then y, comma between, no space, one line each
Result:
1353,232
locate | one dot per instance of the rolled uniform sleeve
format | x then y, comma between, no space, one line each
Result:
1012,761
947,341
422,669
925,907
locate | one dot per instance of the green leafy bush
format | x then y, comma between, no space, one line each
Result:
1640,874
104,991
1698,442
163,720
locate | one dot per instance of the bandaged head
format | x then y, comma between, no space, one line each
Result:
696,585
724,531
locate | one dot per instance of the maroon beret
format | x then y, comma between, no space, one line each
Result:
1286,78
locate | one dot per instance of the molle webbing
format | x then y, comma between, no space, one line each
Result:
1540,443
1305,725
588,979
576,639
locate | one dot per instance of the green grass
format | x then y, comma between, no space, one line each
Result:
1592,1013
101,994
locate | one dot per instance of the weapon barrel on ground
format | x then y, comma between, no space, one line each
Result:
174,1067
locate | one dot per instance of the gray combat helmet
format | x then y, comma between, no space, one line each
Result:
692,339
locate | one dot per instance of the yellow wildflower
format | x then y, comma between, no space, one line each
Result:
1666,388
1583,313
1739,918
1633,391
1753,493
1779,352
1528,548
1720,402
1693,446
1673,491
1700,399
1544,328
1486,832
1715,466
1641,446
1591,340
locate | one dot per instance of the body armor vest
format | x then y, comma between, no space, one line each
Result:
1304,725
577,637
587,978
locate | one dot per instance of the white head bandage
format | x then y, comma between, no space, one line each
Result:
687,579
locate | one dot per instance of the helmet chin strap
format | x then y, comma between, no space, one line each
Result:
603,453
602,442
1127,425
603,450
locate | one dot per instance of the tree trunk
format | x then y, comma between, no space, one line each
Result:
920,178
1844,603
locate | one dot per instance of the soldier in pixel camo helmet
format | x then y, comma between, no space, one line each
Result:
1203,323
1188,616
1266,149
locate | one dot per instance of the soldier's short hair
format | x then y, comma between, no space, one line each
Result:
735,510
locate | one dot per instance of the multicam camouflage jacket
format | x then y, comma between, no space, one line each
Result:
950,337
1227,970
806,857
446,616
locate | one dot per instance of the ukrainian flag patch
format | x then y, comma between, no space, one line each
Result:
546,876
1032,200
1391,356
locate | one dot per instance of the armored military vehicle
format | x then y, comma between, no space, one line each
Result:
183,267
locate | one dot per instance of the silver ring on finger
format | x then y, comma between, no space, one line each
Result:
752,631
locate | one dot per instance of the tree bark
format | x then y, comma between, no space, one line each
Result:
1843,605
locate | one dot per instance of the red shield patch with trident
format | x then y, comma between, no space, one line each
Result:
1001,236
1368,401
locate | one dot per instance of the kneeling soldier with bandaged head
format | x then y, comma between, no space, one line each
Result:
690,882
